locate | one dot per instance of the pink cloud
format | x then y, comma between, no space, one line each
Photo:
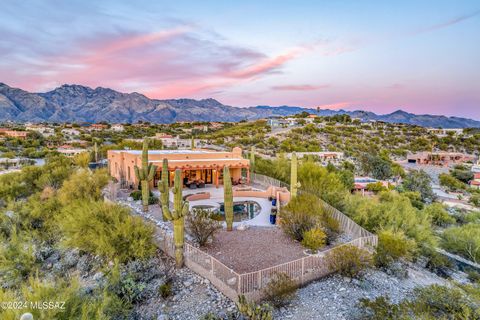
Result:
302,87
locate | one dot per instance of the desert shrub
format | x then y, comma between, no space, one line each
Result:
393,246
252,311
331,227
305,212
107,230
314,239
439,215
126,284
444,303
439,264
17,260
415,198
391,210
475,200
201,226
431,302
137,195
165,289
77,305
381,308
297,218
474,276
83,184
463,240
419,181
349,261
38,214
280,290
451,183
326,185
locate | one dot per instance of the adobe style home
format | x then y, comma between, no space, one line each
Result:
199,167
439,158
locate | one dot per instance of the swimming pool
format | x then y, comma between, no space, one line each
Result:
242,210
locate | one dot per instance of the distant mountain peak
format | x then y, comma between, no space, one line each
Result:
77,103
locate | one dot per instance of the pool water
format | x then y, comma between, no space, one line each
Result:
242,211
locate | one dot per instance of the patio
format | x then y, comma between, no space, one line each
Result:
262,219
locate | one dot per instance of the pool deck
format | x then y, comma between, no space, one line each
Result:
216,196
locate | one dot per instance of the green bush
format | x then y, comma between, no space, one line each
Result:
391,210
439,215
83,184
382,309
349,261
298,217
393,246
474,276
17,259
165,290
432,302
107,230
305,212
252,311
439,264
443,302
314,239
463,240
327,185
201,226
137,195
280,290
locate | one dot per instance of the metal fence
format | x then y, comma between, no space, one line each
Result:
251,284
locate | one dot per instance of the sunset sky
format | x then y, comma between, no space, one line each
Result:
419,56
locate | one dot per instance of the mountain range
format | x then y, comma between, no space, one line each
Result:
76,103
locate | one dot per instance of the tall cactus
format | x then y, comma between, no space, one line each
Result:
227,198
95,150
192,144
252,160
294,184
177,215
163,187
145,175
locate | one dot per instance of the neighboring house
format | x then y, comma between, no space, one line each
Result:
475,183
70,151
361,185
43,130
117,127
196,165
71,132
439,132
439,158
97,127
323,156
169,141
476,167
277,123
13,133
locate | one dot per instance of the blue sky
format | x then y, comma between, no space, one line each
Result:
419,56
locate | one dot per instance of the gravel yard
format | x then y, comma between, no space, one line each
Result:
254,249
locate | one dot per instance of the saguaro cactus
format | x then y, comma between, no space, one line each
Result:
177,215
294,184
95,150
145,175
163,187
192,144
252,160
227,198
